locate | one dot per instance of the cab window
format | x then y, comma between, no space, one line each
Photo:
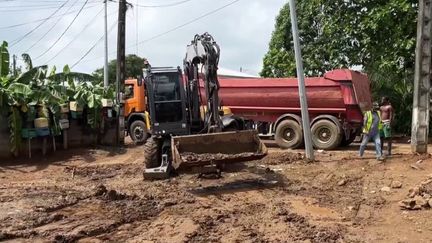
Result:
129,91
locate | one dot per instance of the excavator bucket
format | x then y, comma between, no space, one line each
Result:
216,148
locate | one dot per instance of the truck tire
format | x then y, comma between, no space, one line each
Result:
289,134
152,153
326,134
138,131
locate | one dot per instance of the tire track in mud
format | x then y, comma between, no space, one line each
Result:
80,217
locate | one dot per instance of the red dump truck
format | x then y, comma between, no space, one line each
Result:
335,103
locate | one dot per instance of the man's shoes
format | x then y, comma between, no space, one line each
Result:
381,158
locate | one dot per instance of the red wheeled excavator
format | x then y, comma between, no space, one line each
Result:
185,134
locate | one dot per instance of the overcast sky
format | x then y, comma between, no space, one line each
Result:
242,29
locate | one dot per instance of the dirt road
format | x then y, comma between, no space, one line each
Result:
99,195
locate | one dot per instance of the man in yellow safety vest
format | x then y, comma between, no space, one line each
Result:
372,125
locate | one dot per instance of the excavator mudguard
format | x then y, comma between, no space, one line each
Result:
216,148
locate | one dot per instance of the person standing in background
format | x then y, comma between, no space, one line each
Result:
387,116
371,130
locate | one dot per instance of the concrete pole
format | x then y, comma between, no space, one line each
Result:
422,79
137,28
106,82
301,83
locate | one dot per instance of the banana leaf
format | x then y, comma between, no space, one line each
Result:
4,59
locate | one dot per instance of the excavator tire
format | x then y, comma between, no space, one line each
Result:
151,153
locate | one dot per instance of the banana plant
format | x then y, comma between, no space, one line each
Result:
38,86
18,94
4,72
8,98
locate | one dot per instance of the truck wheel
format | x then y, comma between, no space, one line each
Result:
326,135
151,153
138,131
289,134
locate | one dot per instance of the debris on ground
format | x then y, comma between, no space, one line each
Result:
416,167
396,184
282,158
279,198
385,189
342,182
418,196
111,195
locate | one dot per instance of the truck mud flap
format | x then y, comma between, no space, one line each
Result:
216,148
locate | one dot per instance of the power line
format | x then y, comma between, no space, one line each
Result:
19,9
16,41
64,32
39,20
47,3
159,6
39,1
29,6
179,26
95,44
189,22
92,21
163,5
52,27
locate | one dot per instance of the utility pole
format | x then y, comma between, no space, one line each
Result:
106,46
137,28
121,69
14,57
301,83
422,79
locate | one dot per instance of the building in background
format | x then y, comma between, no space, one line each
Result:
227,73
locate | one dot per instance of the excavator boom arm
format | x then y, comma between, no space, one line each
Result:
205,51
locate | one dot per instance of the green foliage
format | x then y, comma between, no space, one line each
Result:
377,35
80,77
37,87
27,61
134,66
32,75
400,94
4,59
91,95
15,124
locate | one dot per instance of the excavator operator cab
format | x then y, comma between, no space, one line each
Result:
166,101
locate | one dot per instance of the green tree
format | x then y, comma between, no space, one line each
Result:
134,66
377,35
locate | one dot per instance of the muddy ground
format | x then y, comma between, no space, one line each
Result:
98,195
